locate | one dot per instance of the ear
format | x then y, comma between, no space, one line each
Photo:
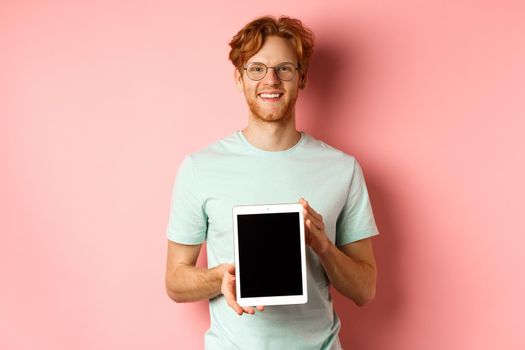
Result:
238,80
302,81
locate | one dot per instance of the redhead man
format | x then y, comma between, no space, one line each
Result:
270,161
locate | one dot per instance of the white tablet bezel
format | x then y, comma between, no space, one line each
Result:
267,209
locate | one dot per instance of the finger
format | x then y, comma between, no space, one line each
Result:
308,210
237,308
312,227
304,203
319,224
228,290
228,295
248,310
233,304
226,275
260,308
230,269
313,212
307,237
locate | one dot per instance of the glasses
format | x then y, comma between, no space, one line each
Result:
257,71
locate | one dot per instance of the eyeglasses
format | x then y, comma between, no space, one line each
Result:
257,71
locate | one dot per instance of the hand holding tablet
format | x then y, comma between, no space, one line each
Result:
270,261
315,234
228,290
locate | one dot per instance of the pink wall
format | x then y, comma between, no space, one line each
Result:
99,102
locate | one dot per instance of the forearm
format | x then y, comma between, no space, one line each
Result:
190,283
352,278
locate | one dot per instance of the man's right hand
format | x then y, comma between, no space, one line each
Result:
228,290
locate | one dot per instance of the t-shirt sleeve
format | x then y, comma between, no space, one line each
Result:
356,220
187,222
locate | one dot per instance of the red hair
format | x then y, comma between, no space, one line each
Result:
249,40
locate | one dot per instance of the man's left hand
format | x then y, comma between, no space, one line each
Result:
315,234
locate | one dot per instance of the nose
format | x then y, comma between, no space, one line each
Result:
271,77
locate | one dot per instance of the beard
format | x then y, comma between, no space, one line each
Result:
284,113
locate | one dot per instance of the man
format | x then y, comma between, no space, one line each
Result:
267,162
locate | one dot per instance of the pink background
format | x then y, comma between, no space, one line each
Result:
100,101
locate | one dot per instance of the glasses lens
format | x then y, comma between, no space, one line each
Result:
256,71
285,71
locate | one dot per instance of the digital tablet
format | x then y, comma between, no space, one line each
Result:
270,262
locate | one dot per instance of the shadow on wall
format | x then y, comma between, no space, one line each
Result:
366,327
323,86
337,75
328,87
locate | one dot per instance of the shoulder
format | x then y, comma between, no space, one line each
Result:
225,145
322,150
215,155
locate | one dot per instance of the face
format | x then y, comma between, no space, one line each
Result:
275,50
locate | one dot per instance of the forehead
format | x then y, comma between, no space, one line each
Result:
275,50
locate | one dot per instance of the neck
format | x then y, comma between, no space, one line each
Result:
272,136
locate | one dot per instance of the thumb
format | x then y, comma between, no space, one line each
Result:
227,269
230,268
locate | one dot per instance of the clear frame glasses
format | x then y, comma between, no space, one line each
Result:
257,71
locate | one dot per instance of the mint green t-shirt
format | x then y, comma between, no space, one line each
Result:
232,172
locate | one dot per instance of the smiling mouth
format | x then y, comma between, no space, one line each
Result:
270,97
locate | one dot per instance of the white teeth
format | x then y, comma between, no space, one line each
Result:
270,95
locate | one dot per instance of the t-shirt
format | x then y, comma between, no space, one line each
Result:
230,172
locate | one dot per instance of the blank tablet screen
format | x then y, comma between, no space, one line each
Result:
269,254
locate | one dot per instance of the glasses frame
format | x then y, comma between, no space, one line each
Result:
296,66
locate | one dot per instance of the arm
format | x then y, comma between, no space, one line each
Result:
351,268
185,282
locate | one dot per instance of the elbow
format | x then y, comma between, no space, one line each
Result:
173,293
176,297
366,297
173,296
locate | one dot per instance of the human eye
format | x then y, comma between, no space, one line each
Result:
256,68
286,68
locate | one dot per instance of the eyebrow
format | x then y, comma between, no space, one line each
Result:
283,62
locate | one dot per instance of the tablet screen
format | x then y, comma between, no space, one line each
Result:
269,254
